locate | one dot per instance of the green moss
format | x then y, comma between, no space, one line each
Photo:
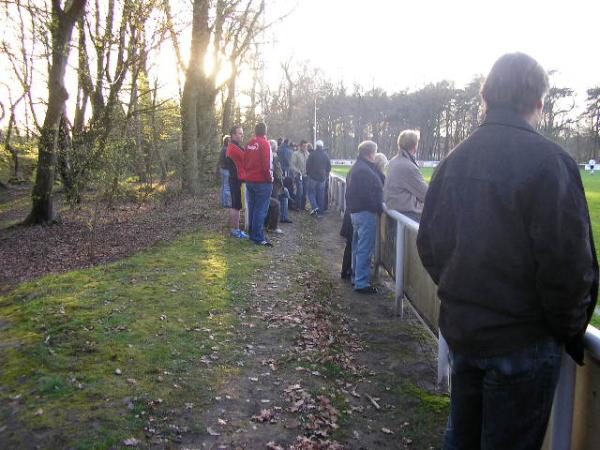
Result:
65,336
438,403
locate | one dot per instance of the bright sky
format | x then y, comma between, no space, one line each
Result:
397,44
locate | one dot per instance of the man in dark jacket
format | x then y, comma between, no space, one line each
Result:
318,167
506,236
285,157
364,198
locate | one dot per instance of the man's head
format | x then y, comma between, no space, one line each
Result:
517,82
237,133
319,144
303,145
226,140
273,144
367,150
408,140
380,161
260,129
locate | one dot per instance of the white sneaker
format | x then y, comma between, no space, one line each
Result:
277,231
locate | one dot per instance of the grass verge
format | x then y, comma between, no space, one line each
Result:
90,357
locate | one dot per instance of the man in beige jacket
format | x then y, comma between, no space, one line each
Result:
405,187
298,168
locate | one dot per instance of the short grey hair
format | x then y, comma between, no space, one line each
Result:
408,139
366,148
516,81
273,144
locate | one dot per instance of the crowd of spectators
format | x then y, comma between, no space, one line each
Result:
504,231
278,176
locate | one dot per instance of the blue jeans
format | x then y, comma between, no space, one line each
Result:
300,192
363,245
225,189
284,201
503,402
316,194
258,207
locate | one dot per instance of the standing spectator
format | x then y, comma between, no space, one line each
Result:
405,187
285,157
278,201
234,161
364,197
280,192
381,162
318,167
259,182
592,164
347,232
298,168
225,189
506,236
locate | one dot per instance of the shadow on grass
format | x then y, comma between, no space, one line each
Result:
91,357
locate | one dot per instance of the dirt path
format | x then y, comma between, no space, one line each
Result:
323,367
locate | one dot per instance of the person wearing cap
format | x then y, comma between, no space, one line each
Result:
318,167
506,236
298,169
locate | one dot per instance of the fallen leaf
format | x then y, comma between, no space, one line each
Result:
131,442
210,431
387,431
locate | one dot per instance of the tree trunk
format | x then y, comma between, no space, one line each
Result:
191,95
189,133
42,211
229,104
12,150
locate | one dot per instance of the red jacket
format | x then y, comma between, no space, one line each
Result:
258,161
235,161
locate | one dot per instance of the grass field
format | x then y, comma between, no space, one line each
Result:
591,183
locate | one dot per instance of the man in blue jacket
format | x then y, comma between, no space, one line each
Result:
506,236
364,199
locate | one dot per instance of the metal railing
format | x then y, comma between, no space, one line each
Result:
575,421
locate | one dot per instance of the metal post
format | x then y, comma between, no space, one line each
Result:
377,250
246,210
443,374
399,269
564,397
315,126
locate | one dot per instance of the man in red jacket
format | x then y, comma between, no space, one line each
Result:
258,165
